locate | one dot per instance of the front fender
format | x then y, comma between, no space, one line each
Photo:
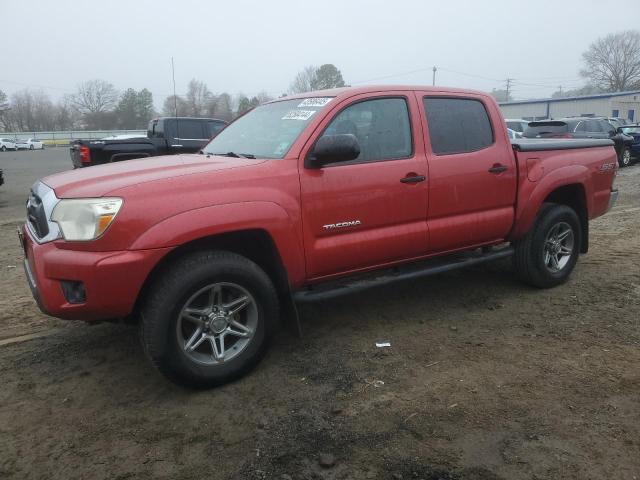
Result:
533,194
218,219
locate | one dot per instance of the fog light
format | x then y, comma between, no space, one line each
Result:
74,291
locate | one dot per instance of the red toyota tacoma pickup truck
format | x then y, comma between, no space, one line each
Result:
303,198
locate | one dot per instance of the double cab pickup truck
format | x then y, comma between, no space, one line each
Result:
165,136
304,198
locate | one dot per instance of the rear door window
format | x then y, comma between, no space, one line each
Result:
191,130
213,128
457,125
593,126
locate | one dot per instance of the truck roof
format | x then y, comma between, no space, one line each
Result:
187,118
350,91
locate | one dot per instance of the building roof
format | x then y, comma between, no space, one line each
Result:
572,99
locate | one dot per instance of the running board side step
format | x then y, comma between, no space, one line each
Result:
410,271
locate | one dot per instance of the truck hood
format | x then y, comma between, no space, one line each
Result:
99,180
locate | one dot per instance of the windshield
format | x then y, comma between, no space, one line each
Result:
267,131
631,130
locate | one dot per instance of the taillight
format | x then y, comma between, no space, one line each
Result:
85,154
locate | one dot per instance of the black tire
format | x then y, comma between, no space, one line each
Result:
4,148
529,258
30,147
170,293
624,158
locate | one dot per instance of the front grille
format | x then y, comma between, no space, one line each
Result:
36,215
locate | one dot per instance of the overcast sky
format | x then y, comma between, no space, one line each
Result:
248,46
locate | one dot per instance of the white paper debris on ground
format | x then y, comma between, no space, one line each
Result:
383,344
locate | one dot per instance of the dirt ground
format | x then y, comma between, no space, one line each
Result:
485,379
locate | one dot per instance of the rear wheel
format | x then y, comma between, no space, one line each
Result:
624,159
209,318
547,254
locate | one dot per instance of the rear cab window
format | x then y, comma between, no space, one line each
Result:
545,128
457,125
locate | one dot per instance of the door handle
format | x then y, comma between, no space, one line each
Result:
498,168
413,179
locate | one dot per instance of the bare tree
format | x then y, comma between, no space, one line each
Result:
612,63
4,111
171,104
198,97
263,97
31,111
304,80
95,96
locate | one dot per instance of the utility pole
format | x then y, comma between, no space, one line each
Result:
509,82
434,76
560,89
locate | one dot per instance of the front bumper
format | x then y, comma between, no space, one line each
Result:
112,280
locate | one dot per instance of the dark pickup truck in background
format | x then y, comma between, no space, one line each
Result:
165,136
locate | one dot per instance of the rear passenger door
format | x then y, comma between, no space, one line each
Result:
472,173
372,210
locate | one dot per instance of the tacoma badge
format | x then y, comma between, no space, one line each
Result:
348,223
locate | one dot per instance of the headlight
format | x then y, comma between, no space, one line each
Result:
85,218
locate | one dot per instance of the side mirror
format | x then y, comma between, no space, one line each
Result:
334,148
612,133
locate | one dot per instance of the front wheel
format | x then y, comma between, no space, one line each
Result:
209,318
624,159
30,147
4,148
547,254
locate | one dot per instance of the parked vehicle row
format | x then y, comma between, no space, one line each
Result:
303,198
583,127
7,144
17,144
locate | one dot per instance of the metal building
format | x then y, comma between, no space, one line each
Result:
621,104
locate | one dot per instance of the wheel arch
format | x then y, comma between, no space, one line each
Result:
255,244
570,185
574,196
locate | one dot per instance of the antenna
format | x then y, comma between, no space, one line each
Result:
175,100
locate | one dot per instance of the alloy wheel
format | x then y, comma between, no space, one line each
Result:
558,247
217,323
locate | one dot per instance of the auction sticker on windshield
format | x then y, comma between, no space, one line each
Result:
298,115
314,102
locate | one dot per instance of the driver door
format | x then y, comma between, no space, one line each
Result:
372,210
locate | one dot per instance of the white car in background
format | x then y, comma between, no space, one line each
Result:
517,124
513,134
6,144
29,144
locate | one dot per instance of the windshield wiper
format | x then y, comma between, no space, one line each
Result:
233,155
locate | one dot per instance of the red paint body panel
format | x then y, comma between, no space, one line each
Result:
112,279
170,201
